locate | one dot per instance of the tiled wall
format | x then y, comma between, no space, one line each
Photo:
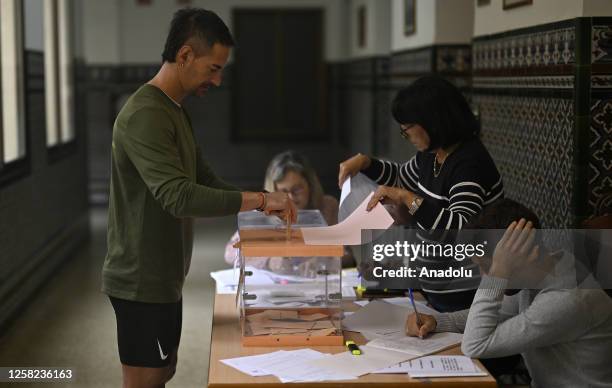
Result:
543,95
364,89
540,119
544,98
599,173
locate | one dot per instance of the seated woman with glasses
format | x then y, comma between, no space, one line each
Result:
449,180
291,173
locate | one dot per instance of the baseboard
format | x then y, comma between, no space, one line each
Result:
21,286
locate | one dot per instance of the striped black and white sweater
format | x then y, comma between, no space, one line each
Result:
467,182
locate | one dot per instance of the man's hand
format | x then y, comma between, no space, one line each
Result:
427,325
391,195
350,167
515,250
279,204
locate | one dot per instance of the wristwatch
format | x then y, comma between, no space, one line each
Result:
414,206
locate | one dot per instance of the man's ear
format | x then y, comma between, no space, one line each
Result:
185,55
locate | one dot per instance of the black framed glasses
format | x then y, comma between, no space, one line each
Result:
404,130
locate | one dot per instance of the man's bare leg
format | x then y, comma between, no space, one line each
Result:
141,377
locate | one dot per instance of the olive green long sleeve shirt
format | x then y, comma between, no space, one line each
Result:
159,183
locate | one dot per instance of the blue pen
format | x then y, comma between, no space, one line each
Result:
416,312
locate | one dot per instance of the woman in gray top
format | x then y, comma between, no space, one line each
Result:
563,332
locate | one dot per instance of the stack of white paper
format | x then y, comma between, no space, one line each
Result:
370,360
287,366
436,366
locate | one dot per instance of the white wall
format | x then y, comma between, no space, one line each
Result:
492,18
377,28
101,31
454,21
33,28
597,8
425,25
437,22
121,31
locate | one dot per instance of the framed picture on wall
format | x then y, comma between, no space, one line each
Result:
361,26
509,4
482,3
409,17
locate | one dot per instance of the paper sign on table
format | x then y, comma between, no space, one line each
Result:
416,346
443,366
436,366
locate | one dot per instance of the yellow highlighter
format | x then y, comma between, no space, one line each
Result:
353,348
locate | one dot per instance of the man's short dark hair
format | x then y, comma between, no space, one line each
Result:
439,107
493,220
500,214
195,22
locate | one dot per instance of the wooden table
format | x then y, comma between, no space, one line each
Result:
225,343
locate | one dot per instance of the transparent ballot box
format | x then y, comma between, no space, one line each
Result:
258,220
295,299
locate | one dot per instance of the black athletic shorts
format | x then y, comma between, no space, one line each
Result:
147,333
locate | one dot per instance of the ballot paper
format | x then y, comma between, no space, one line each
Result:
370,360
436,366
350,280
227,279
378,318
354,191
346,190
348,232
415,346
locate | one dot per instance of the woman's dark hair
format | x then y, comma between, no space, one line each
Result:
200,23
439,107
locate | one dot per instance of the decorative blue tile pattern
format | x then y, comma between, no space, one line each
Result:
536,82
601,50
523,88
600,160
528,49
531,140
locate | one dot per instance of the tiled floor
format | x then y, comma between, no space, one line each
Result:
71,324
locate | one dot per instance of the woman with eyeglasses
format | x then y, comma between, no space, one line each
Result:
291,173
449,180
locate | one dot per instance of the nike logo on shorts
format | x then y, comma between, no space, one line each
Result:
161,352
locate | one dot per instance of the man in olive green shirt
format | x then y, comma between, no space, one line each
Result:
159,184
